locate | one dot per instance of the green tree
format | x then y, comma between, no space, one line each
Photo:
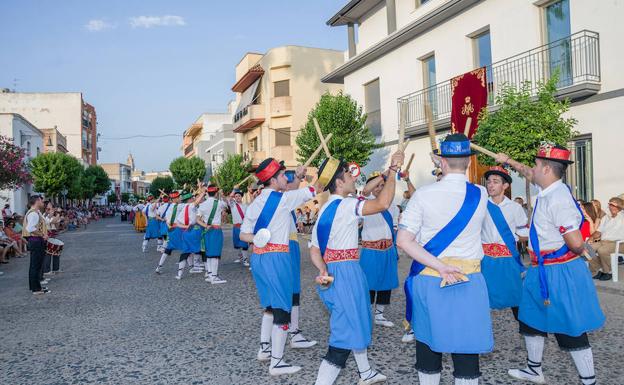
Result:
523,121
187,170
101,183
164,183
342,116
111,197
53,172
230,172
125,197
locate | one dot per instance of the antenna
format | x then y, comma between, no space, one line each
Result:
15,81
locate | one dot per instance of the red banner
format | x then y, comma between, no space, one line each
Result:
469,96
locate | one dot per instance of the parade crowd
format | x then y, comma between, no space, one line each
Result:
466,241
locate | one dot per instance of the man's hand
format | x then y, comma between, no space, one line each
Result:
300,172
501,158
405,175
447,272
321,279
397,158
435,159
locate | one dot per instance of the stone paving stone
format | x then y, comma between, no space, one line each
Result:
111,320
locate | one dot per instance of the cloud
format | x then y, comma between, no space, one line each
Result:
156,21
97,25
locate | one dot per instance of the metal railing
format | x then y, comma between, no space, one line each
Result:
576,58
188,149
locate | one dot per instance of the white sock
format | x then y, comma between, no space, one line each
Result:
294,318
160,242
584,361
207,266
278,341
165,244
428,379
145,243
215,266
466,381
535,351
163,258
361,359
265,329
379,313
181,267
327,373
244,254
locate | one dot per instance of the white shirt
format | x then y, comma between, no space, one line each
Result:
169,214
139,207
554,215
205,208
164,207
375,227
433,206
344,230
279,225
236,217
192,214
514,216
612,229
32,220
151,213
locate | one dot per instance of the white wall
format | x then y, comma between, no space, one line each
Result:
46,110
515,26
17,128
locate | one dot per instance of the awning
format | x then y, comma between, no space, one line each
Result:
246,98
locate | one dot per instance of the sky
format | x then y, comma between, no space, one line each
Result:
150,67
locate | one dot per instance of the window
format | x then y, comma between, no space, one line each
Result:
281,88
557,34
429,80
282,137
483,58
580,175
421,2
372,102
253,144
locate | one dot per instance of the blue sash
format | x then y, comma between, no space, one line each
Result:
388,217
268,211
323,228
555,254
505,232
443,239
147,210
165,212
294,217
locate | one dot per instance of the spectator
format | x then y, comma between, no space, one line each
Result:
599,211
589,225
9,230
9,243
611,230
301,219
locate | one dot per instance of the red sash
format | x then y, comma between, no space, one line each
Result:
240,211
186,215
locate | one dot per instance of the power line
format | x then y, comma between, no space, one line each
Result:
139,136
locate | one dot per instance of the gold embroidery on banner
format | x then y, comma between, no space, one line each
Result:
455,82
468,107
480,74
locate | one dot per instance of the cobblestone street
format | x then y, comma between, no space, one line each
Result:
110,319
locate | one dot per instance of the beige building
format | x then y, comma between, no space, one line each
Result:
403,53
67,111
275,92
54,141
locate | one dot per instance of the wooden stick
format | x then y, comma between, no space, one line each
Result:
431,128
406,143
244,180
320,134
482,150
317,151
409,162
162,193
402,119
467,127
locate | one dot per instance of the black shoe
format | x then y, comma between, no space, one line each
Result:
599,275
606,277
620,260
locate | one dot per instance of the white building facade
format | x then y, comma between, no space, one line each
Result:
403,53
28,137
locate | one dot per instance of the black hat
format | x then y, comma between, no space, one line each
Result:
328,171
455,146
498,170
268,169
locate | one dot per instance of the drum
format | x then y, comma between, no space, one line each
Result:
54,247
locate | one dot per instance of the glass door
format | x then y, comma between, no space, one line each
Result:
558,35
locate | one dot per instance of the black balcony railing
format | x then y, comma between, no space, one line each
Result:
576,58
188,149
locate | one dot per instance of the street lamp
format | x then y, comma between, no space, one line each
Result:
64,194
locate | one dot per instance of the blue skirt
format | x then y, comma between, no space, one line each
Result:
192,239
453,319
238,244
272,273
380,268
152,231
213,242
295,254
164,230
174,239
348,302
574,308
503,276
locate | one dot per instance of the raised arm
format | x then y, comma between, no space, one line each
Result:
384,200
523,169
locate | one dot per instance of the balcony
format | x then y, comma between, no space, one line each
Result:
249,117
281,106
284,153
189,151
576,57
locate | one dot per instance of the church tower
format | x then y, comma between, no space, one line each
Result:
130,161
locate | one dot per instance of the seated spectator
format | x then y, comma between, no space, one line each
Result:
599,212
588,227
9,230
6,212
611,230
7,242
300,220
